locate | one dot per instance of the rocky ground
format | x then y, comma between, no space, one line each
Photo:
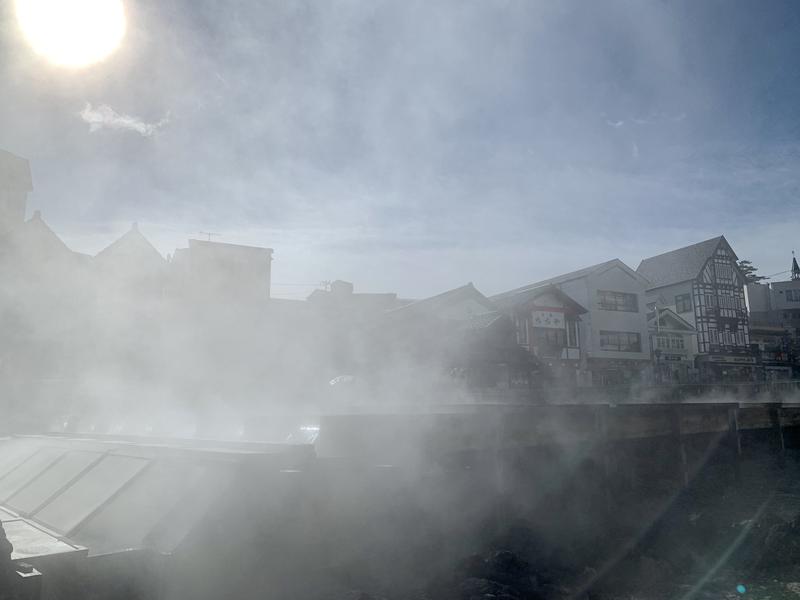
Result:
730,541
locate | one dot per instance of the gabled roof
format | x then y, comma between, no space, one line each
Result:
571,276
132,245
15,172
518,300
35,241
681,324
439,302
683,264
482,321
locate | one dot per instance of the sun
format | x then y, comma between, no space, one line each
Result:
72,33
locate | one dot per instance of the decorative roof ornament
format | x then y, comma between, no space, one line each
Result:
795,268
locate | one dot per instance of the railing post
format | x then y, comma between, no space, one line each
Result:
604,446
776,416
678,436
735,441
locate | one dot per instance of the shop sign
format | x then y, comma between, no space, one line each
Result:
740,360
548,319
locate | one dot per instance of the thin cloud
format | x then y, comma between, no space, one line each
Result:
105,117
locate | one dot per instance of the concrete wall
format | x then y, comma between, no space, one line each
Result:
758,297
665,298
769,304
584,291
228,270
778,295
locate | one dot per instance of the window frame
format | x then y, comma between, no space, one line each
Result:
626,341
684,300
618,301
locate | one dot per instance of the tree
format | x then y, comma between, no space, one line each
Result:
750,272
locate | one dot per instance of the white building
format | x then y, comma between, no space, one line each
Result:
673,343
613,332
777,304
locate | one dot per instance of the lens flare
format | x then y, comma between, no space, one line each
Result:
72,33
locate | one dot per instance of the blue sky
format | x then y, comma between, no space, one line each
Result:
413,146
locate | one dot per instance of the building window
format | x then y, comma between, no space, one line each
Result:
572,333
793,295
522,331
725,274
549,342
549,336
672,341
620,341
683,303
620,301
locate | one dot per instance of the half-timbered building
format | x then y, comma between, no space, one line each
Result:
702,283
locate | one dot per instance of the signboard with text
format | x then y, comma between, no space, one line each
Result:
549,319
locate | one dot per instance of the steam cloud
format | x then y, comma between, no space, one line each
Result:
103,116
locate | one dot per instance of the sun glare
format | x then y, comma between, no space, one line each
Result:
72,33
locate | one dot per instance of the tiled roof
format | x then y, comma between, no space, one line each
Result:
513,300
481,321
678,265
566,277
667,313
435,303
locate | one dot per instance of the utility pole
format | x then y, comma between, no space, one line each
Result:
208,234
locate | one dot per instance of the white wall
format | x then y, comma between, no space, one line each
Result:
584,291
665,297
778,298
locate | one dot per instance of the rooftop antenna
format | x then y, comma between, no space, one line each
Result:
208,234
795,268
